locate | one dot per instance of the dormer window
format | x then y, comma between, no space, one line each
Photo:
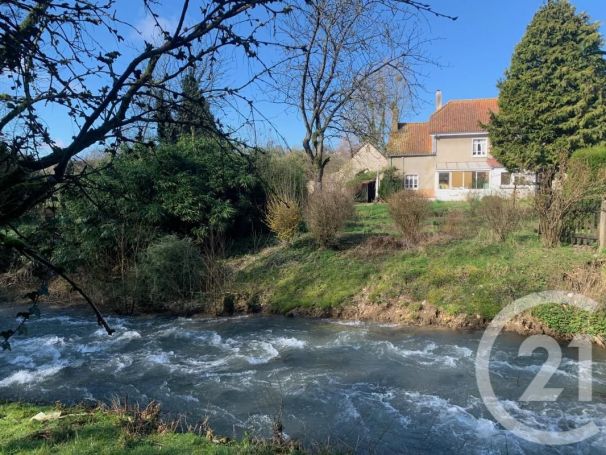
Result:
480,147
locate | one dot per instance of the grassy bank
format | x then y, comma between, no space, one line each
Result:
468,273
80,431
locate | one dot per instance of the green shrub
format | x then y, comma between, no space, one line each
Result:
327,212
409,211
568,320
390,183
594,157
170,269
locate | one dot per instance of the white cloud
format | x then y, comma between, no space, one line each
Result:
150,29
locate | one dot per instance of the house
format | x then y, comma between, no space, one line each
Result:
365,167
448,157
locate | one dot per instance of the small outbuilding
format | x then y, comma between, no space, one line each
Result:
364,170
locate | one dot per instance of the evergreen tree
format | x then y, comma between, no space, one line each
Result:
165,125
553,98
194,117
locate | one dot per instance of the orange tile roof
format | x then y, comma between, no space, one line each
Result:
456,116
462,116
410,139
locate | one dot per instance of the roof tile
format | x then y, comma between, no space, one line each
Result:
410,139
462,116
456,116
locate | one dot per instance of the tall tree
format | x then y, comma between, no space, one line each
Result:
553,98
193,113
334,49
166,129
52,60
369,115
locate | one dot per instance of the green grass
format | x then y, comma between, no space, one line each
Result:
303,275
371,219
99,432
474,275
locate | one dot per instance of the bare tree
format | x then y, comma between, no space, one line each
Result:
375,106
335,49
572,184
52,58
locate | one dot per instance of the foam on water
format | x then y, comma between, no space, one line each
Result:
289,342
262,353
29,378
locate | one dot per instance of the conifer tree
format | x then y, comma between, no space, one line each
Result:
552,100
194,117
166,128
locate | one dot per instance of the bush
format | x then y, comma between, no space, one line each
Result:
170,269
390,183
327,212
284,173
594,158
501,214
409,210
283,217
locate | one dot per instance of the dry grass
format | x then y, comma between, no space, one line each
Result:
458,225
381,245
588,279
140,421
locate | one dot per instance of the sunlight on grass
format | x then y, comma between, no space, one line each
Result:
474,275
81,432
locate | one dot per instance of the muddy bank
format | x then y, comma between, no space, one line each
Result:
427,315
401,311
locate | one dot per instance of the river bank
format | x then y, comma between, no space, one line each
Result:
84,430
460,280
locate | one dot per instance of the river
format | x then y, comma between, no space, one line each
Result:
368,388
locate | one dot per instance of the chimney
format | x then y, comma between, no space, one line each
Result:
438,100
395,116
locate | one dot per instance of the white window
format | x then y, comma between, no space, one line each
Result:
480,147
411,182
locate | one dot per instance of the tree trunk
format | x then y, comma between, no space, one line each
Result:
550,230
548,205
319,171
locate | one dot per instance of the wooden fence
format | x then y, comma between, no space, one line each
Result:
588,228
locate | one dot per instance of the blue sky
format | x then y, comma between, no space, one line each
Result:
472,52
475,50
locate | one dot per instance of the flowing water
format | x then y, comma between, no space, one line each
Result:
368,388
